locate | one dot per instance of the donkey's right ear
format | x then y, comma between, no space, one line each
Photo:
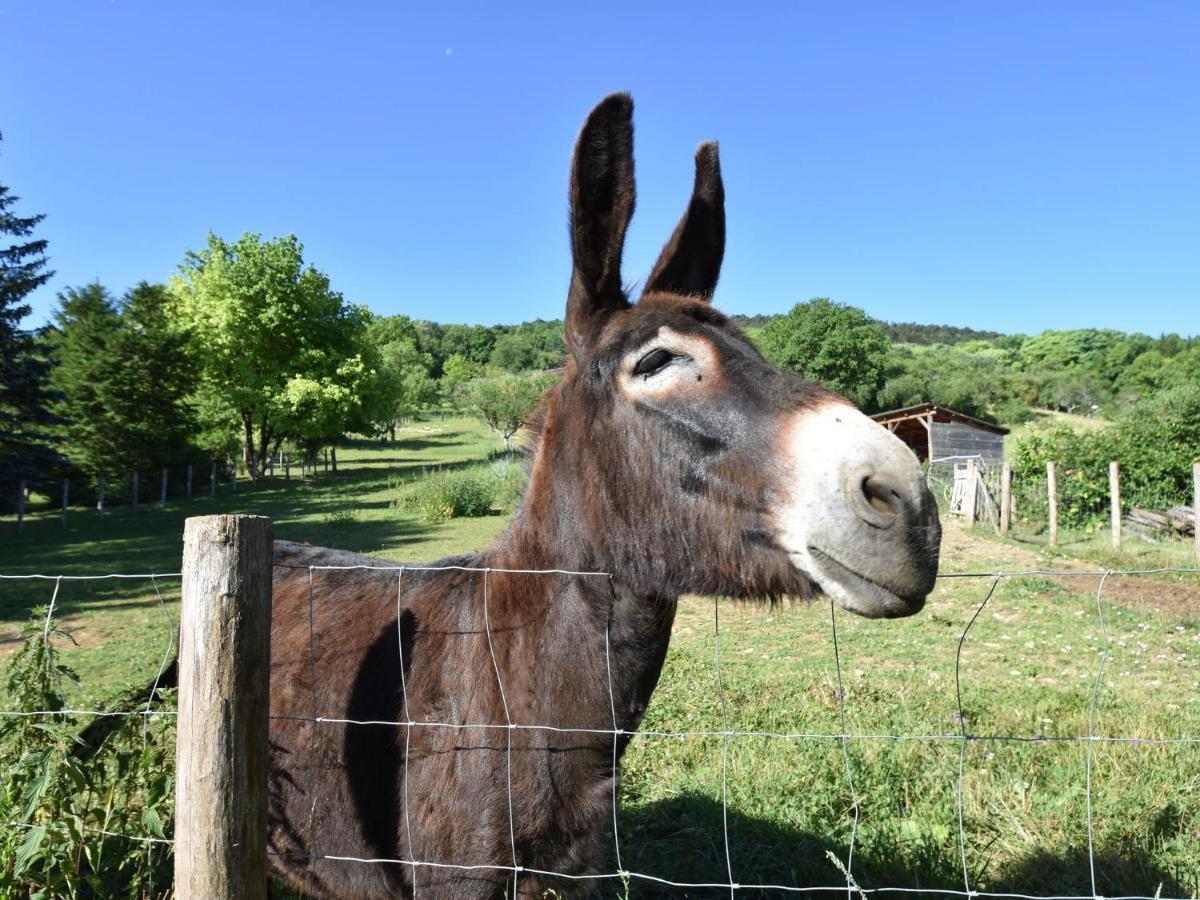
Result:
602,198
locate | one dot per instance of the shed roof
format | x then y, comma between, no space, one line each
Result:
933,412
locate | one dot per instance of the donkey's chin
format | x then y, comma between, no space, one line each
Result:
854,591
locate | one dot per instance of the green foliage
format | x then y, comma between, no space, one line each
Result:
26,450
403,382
63,813
280,354
123,379
914,333
839,346
505,401
1155,443
465,493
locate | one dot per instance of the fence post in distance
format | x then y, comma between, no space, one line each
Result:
1052,497
1114,490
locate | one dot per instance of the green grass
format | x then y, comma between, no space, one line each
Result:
121,626
1028,668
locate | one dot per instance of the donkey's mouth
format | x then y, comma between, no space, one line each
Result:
858,593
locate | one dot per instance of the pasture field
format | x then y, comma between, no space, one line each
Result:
1027,672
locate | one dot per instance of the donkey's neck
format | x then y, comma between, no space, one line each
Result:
611,638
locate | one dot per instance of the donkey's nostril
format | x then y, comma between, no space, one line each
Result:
873,498
880,495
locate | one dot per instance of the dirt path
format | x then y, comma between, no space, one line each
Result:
1176,596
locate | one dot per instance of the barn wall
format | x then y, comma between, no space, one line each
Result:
964,439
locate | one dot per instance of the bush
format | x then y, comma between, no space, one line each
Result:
452,495
71,807
1155,442
471,492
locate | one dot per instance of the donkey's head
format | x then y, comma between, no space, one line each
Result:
675,456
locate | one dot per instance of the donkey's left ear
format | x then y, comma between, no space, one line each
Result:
690,263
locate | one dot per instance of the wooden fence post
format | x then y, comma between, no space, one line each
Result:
971,496
162,494
1114,490
100,497
135,491
1005,498
1196,506
1052,496
20,505
66,494
189,481
287,469
224,670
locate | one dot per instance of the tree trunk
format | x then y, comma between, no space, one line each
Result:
264,445
249,457
333,459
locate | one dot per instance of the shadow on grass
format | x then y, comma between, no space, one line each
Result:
682,840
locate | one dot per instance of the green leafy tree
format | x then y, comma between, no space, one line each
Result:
259,318
506,401
26,448
403,382
457,371
839,346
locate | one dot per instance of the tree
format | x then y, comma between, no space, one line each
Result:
86,322
25,442
402,383
123,380
258,319
505,401
839,346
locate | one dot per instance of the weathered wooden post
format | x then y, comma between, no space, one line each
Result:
224,670
189,481
20,505
135,491
1052,497
1114,489
66,495
1005,498
971,496
100,496
1196,506
162,494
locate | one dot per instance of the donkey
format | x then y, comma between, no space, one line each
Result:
671,455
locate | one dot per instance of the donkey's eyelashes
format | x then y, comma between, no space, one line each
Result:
654,362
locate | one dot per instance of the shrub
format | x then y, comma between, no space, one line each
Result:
1155,442
452,495
72,808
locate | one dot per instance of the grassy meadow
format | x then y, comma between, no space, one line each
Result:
1027,672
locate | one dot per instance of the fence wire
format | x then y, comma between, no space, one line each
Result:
963,736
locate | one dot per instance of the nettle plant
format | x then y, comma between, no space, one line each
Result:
70,818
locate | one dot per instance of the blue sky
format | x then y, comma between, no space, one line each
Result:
1008,166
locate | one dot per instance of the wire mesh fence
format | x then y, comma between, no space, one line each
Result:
1115,737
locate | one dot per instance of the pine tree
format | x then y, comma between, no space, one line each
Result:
26,448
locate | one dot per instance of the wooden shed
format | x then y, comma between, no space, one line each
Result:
937,434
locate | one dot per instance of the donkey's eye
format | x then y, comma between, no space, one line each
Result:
654,362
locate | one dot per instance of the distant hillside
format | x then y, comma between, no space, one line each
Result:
914,333
901,332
